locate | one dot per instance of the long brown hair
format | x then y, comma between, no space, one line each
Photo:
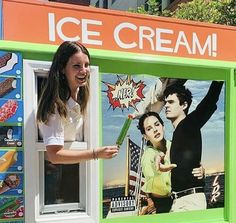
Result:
56,91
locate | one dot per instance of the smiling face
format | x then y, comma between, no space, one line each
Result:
154,130
77,71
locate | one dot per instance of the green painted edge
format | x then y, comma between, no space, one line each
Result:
131,63
231,153
97,54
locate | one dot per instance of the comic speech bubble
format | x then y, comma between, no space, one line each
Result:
124,93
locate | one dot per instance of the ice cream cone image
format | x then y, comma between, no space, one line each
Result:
7,160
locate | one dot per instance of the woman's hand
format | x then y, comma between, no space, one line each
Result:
159,159
107,152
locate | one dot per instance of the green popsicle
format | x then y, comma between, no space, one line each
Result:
124,130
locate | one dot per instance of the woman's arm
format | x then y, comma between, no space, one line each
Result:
58,155
160,163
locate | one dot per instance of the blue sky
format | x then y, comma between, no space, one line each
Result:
212,132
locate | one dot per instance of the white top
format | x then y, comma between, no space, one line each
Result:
57,130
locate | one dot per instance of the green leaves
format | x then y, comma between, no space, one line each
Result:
212,11
220,12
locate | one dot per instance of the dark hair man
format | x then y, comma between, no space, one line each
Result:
186,147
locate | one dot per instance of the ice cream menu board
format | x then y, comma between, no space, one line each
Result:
11,142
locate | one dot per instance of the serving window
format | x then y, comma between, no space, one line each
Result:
61,189
61,185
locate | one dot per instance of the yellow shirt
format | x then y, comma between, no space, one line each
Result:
155,181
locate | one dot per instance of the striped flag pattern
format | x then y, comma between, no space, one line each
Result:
135,172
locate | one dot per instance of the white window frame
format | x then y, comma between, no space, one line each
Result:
33,151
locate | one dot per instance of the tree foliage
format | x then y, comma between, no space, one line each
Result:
213,11
153,8
220,12
228,13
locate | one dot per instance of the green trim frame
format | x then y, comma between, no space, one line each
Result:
130,63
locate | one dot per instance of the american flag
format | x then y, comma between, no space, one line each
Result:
135,171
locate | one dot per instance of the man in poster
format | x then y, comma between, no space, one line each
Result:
186,147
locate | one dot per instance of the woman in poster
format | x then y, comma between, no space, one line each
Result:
155,162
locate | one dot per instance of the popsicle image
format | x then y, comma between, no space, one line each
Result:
124,130
7,160
9,202
7,62
7,86
11,181
8,110
11,208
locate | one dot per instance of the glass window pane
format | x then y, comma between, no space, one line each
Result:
61,183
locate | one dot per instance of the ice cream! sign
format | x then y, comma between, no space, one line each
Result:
113,30
156,39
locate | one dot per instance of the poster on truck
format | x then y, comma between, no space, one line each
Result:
171,137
